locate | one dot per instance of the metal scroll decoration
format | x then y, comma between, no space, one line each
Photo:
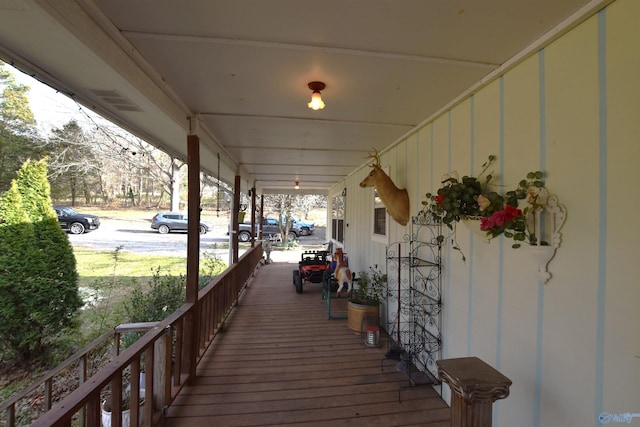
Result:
414,298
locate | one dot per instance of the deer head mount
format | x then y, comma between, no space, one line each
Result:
394,199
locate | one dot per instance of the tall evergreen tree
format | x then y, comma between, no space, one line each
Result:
16,251
54,246
18,135
38,280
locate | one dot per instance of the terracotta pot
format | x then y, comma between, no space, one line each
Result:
356,313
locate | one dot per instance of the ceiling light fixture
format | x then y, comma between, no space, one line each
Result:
297,186
316,99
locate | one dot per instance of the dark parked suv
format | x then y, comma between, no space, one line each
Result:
74,222
270,229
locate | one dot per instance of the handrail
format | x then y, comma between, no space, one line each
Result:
163,351
81,356
88,394
125,328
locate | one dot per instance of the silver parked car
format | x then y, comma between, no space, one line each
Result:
166,222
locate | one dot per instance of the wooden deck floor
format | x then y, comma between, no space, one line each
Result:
281,362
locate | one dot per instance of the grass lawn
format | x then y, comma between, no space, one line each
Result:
92,264
106,279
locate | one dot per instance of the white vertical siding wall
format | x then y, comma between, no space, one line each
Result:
572,346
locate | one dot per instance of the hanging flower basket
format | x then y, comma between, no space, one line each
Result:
486,213
473,223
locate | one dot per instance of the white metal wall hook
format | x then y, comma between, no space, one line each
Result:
546,219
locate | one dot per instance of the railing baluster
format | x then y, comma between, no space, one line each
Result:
82,377
166,381
177,365
116,400
11,415
150,403
48,387
134,399
93,411
116,344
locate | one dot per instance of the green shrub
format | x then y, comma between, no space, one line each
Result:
38,280
210,267
166,295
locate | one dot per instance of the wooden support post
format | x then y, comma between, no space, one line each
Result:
253,217
193,250
193,238
261,228
474,387
234,219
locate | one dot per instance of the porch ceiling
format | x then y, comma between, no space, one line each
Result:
241,69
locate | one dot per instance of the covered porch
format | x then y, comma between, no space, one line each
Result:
551,86
280,361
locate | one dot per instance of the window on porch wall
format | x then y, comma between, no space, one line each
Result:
337,218
380,225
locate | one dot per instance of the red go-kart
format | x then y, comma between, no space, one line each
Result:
313,267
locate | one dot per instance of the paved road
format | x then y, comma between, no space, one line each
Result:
138,237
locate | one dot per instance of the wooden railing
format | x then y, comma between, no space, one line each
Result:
80,362
166,351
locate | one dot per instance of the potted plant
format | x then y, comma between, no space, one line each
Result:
366,296
471,198
242,210
126,412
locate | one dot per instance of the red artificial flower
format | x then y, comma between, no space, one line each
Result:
439,200
486,224
511,212
500,218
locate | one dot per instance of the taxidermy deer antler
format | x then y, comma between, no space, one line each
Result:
394,199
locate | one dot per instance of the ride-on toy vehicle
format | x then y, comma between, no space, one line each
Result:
312,267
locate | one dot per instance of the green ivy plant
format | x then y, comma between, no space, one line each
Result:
471,197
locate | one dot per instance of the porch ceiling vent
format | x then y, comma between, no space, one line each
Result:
115,99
